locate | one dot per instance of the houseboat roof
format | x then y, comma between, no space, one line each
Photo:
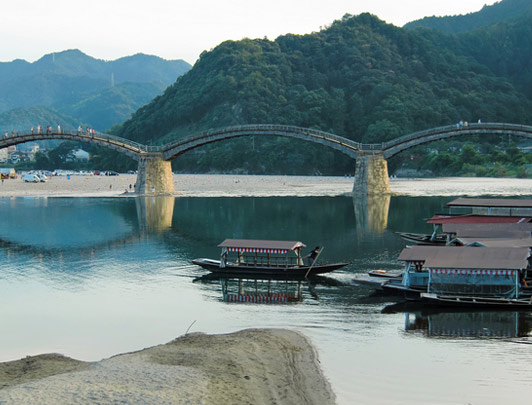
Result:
261,246
466,257
491,202
483,230
494,242
503,258
418,253
476,219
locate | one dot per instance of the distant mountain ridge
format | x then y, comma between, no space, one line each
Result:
505,10
135,68
65,81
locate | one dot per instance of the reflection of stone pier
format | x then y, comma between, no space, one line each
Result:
155,213
371,212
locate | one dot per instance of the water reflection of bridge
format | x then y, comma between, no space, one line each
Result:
154,214
371,213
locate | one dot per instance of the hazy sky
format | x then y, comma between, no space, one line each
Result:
176,29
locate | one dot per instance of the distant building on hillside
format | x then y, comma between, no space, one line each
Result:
80,154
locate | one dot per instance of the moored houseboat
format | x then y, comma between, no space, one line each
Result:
266,258
474,211
479,276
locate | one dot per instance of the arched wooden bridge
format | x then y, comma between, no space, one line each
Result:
371,175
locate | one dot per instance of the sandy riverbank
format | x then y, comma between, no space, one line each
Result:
253,366
235,186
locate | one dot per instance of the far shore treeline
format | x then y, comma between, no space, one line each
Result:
360,78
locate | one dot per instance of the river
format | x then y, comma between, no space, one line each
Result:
94,277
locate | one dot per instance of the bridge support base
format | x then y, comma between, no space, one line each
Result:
154,177
371,174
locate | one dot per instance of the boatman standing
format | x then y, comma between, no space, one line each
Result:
312,255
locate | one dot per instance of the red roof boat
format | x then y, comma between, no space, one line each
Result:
247,257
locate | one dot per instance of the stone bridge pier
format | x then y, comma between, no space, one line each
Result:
371,174
154,176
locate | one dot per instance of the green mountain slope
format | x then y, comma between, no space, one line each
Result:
22,119
360,78
113,105
489,15
72,82
503,44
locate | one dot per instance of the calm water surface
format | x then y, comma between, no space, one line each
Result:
91,278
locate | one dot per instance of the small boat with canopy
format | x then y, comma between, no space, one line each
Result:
266,258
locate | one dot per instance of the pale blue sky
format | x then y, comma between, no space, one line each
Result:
176,29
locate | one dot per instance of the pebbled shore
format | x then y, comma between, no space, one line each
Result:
207,185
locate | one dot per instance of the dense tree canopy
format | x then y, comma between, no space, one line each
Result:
360,78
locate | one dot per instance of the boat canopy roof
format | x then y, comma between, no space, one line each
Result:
450,257
494,242
476,219
261,246
491,202
418,253
483,230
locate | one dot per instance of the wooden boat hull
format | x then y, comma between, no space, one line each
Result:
243,270
475,302
376,279
383,274
396,287
424,239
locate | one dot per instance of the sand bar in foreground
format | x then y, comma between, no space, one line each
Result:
253,366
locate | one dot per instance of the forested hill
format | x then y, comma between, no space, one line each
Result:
498,37
360,78
89,91
502,11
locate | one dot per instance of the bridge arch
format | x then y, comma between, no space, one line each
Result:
398,145
344,145
130,148
371,176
